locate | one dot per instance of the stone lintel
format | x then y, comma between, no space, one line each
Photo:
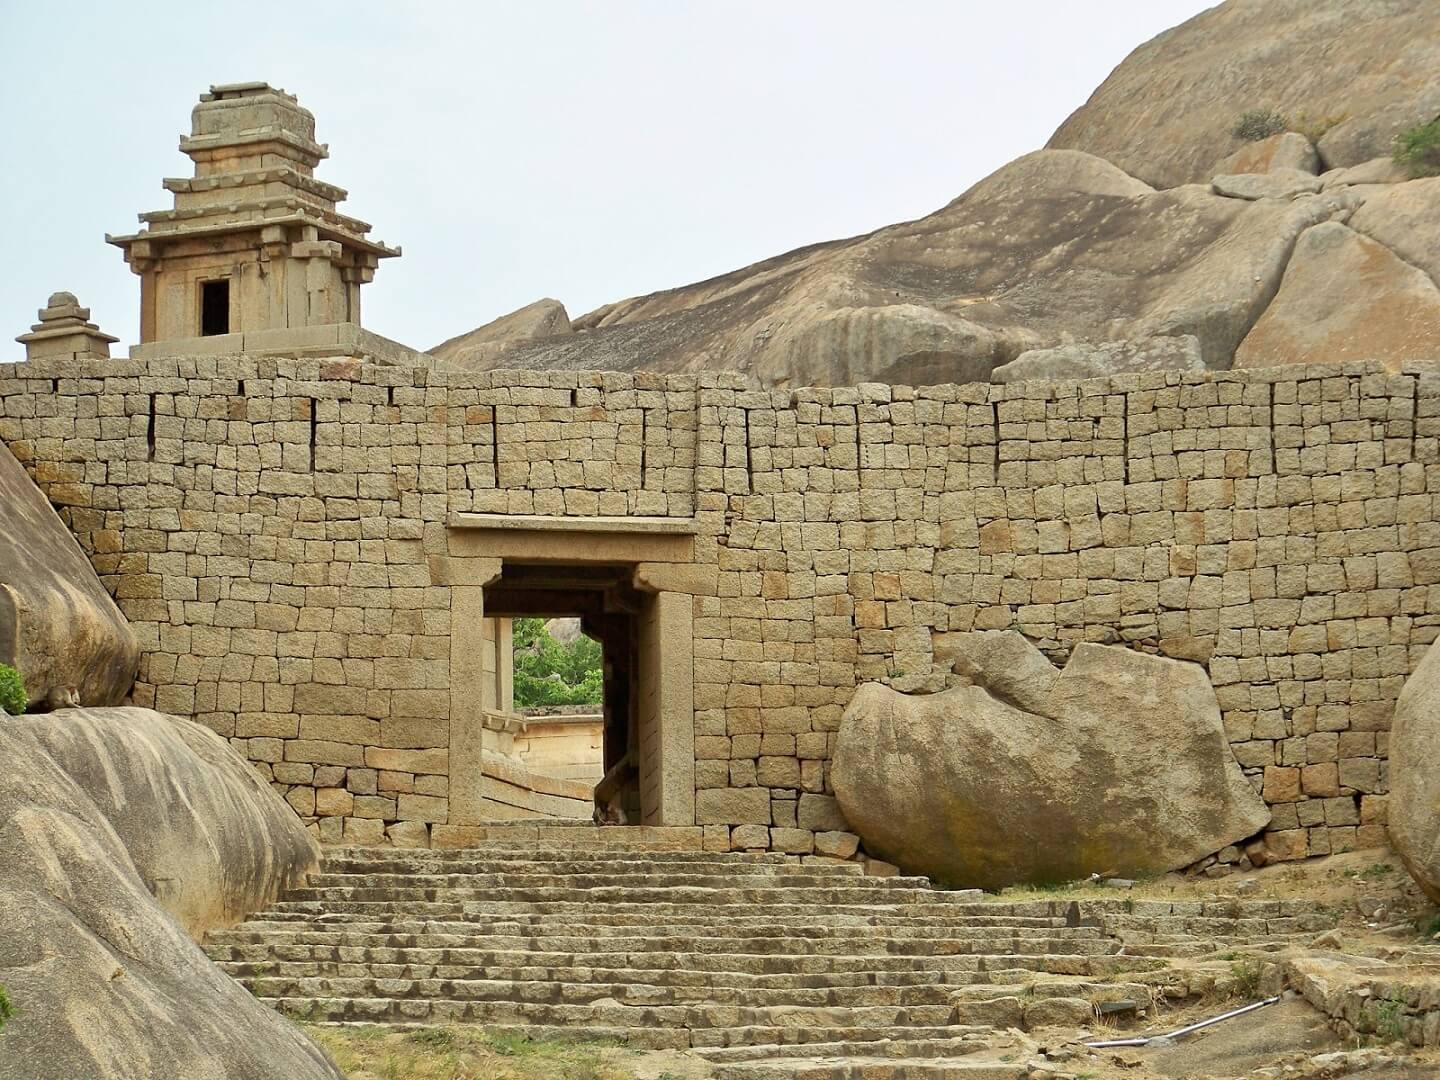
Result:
544,522
534,538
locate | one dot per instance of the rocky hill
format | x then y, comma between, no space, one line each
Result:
1147,235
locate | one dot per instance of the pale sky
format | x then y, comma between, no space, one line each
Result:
582,150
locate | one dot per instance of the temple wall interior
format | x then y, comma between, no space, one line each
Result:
288,539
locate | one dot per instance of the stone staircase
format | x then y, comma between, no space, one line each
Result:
767,965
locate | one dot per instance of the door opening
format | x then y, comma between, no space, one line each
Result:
214,307
577,712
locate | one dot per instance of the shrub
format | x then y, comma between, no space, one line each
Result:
13,698
1419,149
549,673
7,1010
1256,124
1247,972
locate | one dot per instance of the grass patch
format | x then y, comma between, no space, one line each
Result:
1255,124
1376,871
464,1053
1418,149
1430,927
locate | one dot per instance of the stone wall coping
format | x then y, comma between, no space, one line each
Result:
546,523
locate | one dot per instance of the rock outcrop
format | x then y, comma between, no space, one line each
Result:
58,625
1117,764
1083,361
1354,72
1414,803
123,834
1406,219
1288,150
1074,247
1057,247
543,319
1346,297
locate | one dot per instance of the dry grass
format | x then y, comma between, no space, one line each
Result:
460,1053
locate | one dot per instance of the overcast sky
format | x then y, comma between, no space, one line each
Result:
582,150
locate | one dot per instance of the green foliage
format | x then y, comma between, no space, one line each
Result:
13,698
1389,1019
1375,871
1248,973
7,1011
1256,124
1430,928
549,673
1419,149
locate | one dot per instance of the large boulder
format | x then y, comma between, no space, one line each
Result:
1081,360
124,833
1346,297
58,625
1275,184
1355,73
1406,219
1288,150
545,318
1117,764
1414,803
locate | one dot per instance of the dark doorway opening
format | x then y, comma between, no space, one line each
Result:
214,308
610,610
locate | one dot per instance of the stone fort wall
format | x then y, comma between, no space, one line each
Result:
269,528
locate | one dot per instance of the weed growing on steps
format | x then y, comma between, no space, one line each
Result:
1247,973
1389,1020
1255,124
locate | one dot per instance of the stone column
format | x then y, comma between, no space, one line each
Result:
469,693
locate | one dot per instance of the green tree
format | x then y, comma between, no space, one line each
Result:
549,673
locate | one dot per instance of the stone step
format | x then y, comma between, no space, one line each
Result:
987,1067
913,940
957,1043
400,860
646,994
935,985
712,1024
766,877
689,918
825,895
694,920
423,860
260,958
735,1044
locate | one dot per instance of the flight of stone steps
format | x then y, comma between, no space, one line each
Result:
764,964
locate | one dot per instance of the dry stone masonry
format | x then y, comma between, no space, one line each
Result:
284,536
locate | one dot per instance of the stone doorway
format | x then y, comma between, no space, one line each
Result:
610,611
646,635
